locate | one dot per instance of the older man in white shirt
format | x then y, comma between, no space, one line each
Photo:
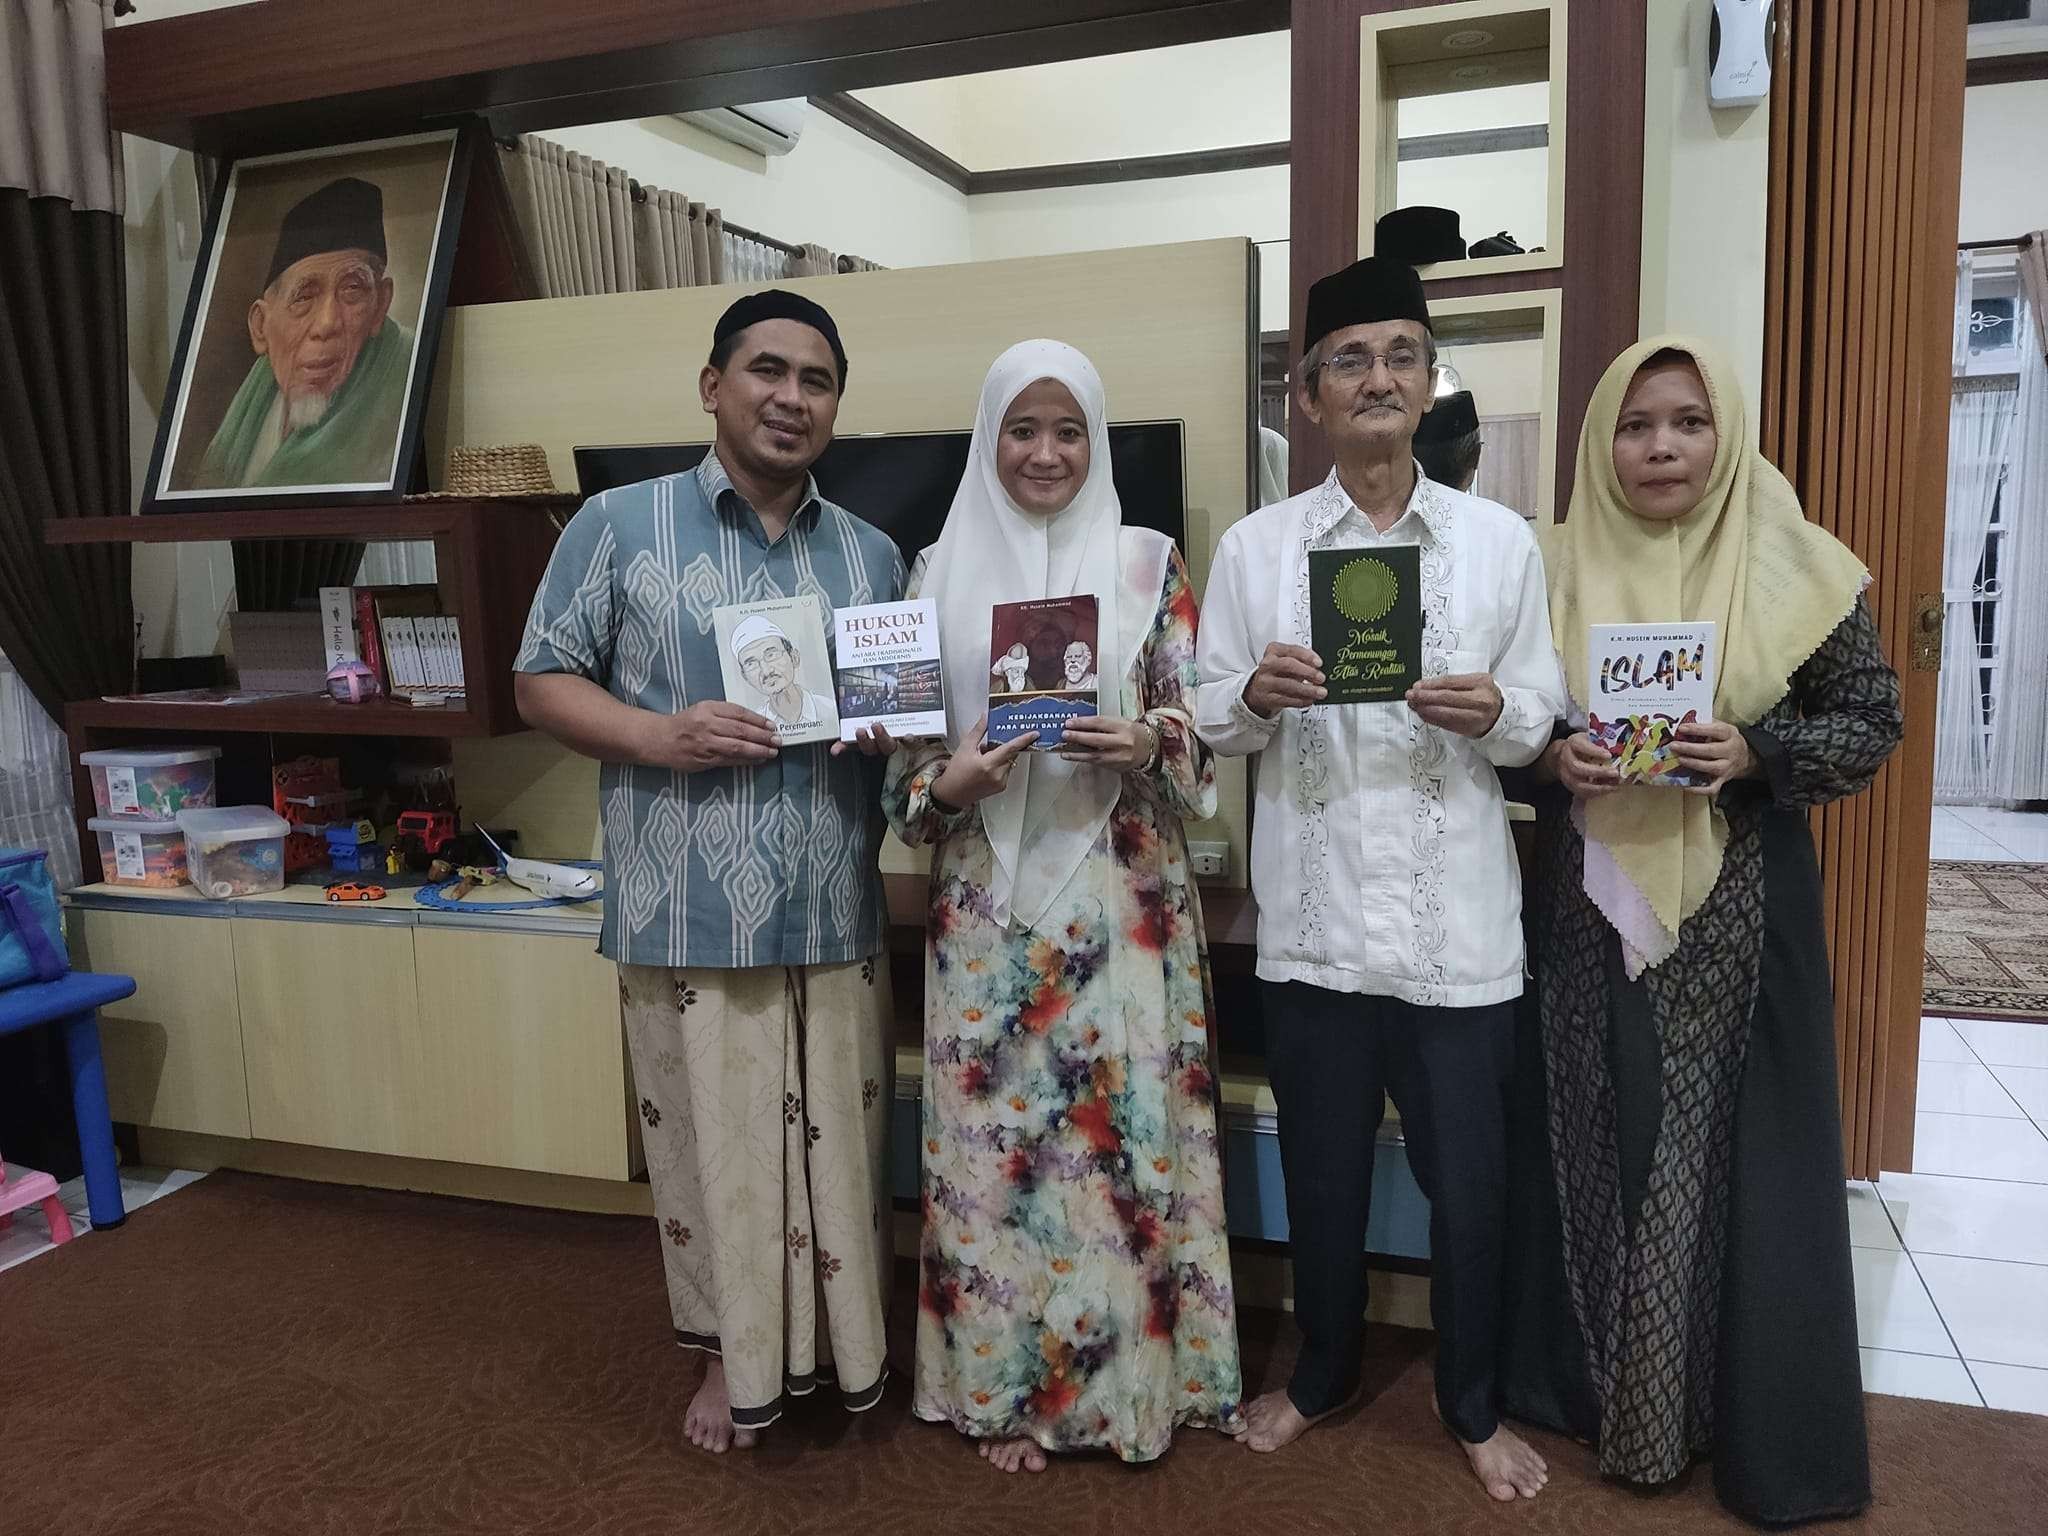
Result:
1390,940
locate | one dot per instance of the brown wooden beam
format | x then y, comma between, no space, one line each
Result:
1092,173
2005,69
292,72
856,114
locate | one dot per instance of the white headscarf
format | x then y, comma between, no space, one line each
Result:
1052,812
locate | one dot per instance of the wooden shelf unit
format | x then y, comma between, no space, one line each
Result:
489,557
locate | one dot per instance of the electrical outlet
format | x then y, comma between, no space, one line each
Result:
1211,860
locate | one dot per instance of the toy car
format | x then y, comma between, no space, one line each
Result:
354,890
429,831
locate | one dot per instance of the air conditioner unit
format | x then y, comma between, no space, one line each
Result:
766,127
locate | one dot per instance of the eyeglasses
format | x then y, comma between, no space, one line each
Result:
1350,367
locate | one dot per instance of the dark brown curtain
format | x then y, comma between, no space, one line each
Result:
65,617
275,574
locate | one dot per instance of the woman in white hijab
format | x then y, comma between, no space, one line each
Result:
1075,1275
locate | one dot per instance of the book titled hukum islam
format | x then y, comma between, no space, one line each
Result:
1042,668
1643,681
889,675
1365,621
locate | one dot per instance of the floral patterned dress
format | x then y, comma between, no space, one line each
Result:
1074,1270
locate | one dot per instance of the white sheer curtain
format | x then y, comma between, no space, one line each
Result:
1979,424
35,780
2019,751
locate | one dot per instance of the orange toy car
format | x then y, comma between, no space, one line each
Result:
354,890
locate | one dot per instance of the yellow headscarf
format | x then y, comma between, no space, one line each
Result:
1745,558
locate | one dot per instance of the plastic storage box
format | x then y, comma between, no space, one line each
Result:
140,852
236,850
154,784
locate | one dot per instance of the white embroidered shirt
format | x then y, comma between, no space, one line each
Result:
1381,856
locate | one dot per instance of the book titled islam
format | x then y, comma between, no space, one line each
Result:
1365,621
1042,668
888,655
774,662
1643,681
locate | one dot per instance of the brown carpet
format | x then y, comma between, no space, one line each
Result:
257,1355
1987,940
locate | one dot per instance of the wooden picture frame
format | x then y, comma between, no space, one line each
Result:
315,394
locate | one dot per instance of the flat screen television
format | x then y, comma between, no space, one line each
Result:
903,482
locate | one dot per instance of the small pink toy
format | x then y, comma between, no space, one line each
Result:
25,1186
352,682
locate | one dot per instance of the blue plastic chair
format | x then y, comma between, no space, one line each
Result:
72,1003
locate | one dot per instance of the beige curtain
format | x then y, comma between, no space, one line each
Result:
2033,268
811,261
54,138
860,264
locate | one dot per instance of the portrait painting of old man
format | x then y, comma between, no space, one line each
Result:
309,333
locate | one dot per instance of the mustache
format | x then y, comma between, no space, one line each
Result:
1372,402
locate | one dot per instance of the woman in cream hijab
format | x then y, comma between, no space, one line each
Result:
1075,1275
1687,1021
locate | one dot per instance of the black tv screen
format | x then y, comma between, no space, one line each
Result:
903,482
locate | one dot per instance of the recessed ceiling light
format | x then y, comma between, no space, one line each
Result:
1472,72
1471,37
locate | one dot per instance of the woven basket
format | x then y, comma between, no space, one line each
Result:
503,472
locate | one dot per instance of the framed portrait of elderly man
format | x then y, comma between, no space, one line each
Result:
301,371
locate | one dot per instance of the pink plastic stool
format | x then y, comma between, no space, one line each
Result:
24,1187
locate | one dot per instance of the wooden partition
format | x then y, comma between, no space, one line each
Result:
1866,164
1172,329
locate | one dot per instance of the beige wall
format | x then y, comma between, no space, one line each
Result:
2005,186
1706,177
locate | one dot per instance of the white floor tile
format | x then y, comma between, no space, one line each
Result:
1979,1147
1967,846
1965,1088
27,1237
1969,1218
1869,1227
2005,1042
2017,1387
2028,1086
1901,1375
1940,1042
1995,1311
1893,1309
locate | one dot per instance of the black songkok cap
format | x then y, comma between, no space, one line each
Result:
1366,292
1419,235
344,215
1452,417
780,304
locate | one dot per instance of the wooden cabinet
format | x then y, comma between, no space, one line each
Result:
330,1030
522,1053
173,1051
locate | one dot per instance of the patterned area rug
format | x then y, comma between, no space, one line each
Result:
1987,940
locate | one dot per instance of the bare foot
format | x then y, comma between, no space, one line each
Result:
1507,1466
1271,1421
1013,1455
709,1422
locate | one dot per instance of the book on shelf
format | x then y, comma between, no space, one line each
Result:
1042,668
888,661
773,659
1365,621
1643,681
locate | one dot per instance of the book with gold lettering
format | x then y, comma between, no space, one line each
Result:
1365,621
888,662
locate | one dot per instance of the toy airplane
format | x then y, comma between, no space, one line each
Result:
562,882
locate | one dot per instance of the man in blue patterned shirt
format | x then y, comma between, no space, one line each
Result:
742,900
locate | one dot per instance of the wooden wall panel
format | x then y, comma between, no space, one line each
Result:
1603,197
1866,160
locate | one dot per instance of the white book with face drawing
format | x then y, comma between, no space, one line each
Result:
775,661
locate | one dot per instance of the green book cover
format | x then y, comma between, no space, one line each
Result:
1365,621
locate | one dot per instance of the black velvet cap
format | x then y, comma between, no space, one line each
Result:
1366,292
345,215
1452,417
1419,235
780,304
